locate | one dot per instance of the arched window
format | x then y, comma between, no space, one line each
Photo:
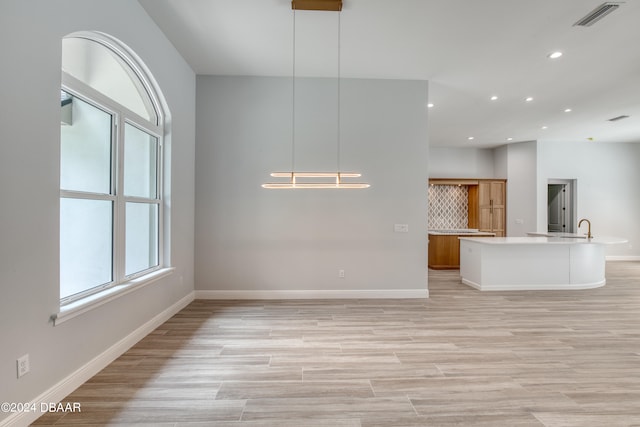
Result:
111,168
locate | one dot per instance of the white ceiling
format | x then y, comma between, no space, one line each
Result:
469,50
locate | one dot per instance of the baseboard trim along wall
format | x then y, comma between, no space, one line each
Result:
313,294
62,389
622,258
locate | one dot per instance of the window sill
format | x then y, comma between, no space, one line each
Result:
76,308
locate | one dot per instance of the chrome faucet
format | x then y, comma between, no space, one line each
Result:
589,236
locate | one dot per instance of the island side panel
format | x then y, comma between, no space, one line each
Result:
471,263
507,266
588,265
527,267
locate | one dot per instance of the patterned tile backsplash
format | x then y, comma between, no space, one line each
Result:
448,207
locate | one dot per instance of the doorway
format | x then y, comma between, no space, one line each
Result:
561,206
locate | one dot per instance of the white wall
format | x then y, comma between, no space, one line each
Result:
521,163
253,239
461,163
30,41
607,187
501,162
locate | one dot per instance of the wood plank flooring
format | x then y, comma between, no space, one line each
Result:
462,357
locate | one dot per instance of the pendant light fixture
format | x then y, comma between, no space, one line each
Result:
314,180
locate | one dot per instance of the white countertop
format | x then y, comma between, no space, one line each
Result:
544,240
555,234
462,231
607,240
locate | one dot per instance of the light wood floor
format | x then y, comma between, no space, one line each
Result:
462,357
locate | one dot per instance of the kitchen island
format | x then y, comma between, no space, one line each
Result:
533,263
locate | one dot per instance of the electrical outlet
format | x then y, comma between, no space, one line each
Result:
23,365
341,274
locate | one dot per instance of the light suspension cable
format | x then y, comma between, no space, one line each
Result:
293,98
339,99
319,180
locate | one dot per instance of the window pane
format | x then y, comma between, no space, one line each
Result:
85,244
105,71
85,158
140,163
142,237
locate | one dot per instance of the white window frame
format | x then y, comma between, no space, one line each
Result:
121,284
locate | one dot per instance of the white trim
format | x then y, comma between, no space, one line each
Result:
622,257
535,286
76,308
67,385
312,294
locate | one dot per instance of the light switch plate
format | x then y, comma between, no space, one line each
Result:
401,228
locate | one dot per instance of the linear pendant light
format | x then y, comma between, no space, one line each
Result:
314,180
332,180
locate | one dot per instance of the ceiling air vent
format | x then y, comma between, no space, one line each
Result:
615,119
597,14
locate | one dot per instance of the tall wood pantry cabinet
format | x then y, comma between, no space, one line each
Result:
491,206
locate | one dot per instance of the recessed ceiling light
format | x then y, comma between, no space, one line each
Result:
554,55
493,98
470,138
430,105
509,139
528,99
567,110
545,127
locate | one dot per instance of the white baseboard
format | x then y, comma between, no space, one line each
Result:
80,376
622,258
535,287
312,294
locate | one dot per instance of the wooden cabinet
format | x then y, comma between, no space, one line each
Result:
487,206
444,251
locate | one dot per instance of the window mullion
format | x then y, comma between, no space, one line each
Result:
71,194
136,199
160,191
119,225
